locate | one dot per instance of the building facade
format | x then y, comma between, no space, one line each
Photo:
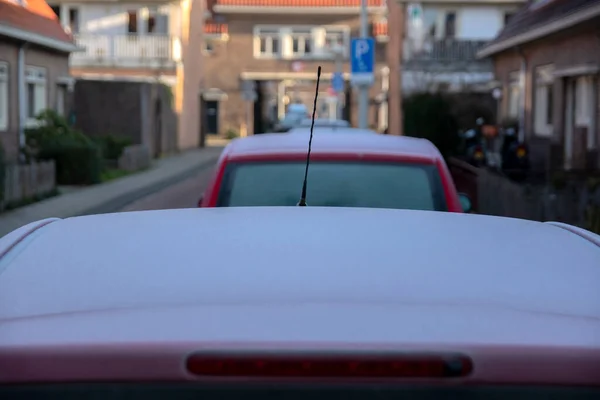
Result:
276,47
34,69
547,64
442,39
141,42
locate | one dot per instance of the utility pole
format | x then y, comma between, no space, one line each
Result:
363,98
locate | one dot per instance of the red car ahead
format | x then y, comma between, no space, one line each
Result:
347,169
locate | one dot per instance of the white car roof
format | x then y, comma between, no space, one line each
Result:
331,129
329,141
307,122
299,274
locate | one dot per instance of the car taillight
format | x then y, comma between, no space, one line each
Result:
478,154
332,366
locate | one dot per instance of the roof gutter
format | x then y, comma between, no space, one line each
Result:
536,33
39,40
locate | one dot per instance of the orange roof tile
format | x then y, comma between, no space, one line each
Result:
215,28
380,28
35,16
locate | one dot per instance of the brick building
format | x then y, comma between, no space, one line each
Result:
34,68
278,44
547,63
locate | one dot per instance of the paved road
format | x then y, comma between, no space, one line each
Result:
184,194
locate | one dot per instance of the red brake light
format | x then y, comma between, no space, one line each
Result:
332,366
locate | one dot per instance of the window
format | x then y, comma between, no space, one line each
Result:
233,391
301,42
514,95
583,101
544,100
35,80
450,25
151,24
269,41
3,96
132,22
73,20
60,99
208,47
334,184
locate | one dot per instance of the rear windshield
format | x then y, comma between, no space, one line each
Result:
278,392
333,184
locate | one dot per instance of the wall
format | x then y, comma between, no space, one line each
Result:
229,59
472,22
574,47
56,65
10,138
112,19
126,109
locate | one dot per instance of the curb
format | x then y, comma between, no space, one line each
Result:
124,200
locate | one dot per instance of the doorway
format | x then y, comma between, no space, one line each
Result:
212,117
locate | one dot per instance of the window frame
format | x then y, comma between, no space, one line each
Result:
271,32
36,76
316,36
4,96
543,107
514,86
440,202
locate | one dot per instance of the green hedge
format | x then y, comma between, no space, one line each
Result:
76,163
112,146
78,159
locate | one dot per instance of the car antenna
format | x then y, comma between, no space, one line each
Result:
302,201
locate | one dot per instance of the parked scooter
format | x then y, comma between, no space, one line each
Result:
474,146
515,156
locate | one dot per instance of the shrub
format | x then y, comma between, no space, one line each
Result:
78,159
112,146
231,134
429,116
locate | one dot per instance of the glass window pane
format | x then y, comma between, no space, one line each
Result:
338,184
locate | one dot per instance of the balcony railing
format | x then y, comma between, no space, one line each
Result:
127,51
444,50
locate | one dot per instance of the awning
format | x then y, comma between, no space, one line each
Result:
214,94
578,70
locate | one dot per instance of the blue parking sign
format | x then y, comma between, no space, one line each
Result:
362,61
337,82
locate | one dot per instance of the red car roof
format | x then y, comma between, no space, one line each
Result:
328,143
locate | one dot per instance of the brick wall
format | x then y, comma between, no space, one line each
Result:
127,109
230,58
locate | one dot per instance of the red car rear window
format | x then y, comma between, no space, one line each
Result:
334,184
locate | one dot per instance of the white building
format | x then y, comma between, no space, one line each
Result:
124,39
443,37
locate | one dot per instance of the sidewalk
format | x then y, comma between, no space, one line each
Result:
113,195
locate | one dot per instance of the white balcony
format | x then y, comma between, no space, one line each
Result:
443,50
127,51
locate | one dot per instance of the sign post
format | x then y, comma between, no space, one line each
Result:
249,95
362,61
